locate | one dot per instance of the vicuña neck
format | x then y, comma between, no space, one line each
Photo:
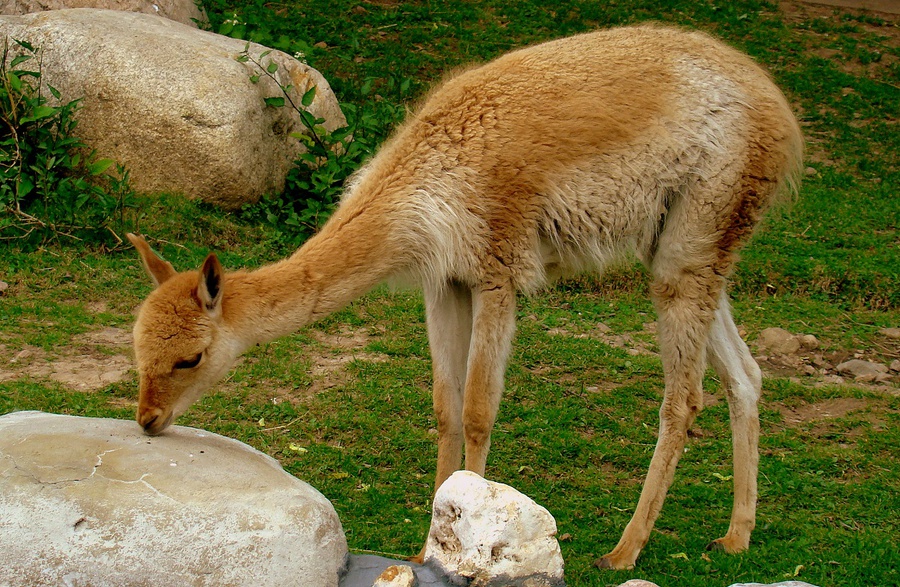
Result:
349,257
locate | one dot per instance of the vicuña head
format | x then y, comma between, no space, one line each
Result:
182,344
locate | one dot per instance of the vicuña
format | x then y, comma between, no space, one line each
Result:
551,160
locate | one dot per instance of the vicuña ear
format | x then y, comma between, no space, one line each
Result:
158,269
209,290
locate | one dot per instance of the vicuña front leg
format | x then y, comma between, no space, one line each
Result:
470,336
449,316
685,309
742,381
493,327
448,312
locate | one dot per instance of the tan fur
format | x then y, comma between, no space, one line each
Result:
551,160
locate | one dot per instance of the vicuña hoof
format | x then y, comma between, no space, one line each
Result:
727,545
610,562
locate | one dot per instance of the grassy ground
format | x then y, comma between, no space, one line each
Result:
345,404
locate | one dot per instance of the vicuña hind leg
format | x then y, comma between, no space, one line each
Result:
685,303
742,381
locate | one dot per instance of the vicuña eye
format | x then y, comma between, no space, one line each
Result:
189,363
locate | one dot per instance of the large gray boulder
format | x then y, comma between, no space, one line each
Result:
89,501
172,103
183,11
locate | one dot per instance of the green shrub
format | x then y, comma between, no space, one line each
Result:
48,188
314,184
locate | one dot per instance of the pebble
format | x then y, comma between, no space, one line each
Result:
396,576
890,332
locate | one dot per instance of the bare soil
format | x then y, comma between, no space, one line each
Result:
93,361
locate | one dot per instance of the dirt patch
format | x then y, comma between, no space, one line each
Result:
329,365
824,410
885,6
93,361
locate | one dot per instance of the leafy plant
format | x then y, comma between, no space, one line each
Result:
48,188
314,184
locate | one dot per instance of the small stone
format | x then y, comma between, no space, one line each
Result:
895,366
820,362
396,576
778,341
809,369
603,327
638,583
810,171
890,332
3,287
833,379
321,45
861,370
809,342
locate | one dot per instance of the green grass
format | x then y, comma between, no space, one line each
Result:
578,422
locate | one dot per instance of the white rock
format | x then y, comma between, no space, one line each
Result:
90,501
638,583
490,534
778,341
183,11
396,576
172,103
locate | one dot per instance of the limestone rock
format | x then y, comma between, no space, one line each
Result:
488,534
172,103
183,11
862,370
778,341
396,576
90,501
